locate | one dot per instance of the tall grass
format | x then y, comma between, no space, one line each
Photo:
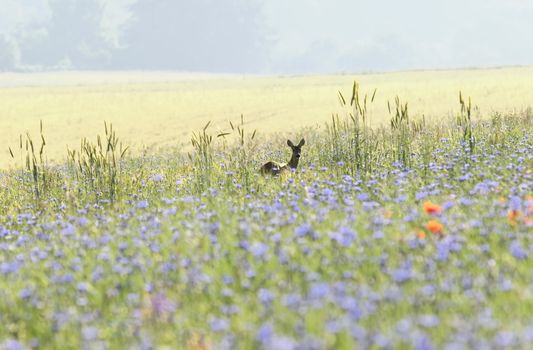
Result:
97,166
36,172
241,160
350,141
401,132
202,158
464,120
349,144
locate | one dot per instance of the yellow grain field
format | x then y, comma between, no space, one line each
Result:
160,110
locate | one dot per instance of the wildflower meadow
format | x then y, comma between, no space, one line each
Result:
413,234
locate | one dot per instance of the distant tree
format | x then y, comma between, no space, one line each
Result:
195,35
72,37
8,54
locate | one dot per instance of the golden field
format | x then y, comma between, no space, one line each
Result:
159,110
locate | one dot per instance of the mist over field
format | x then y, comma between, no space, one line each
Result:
266,37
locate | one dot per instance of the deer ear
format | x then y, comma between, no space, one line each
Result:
289,142
302,142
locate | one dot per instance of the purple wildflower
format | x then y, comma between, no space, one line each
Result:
10,267
142,204
12,344
403,326
443,250
363,197
265,296
281,343
303,230
265,333
90,333
68,230
344,236
428,321
504,339
157,178
421,195
259,249
318,291
402,275
333,326
423,342
25,293
291,300
528,334
516,250
401,198
219,324
515,203
161,305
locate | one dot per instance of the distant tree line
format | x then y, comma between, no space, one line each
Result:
199,35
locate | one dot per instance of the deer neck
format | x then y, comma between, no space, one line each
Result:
293,163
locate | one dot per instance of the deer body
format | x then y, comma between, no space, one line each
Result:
275,168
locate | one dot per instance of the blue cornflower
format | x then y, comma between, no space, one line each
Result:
12,344
515,203
516,250
402,275
281,343
265,296
265,333
428,290
9,267
421,195
291,300
428,321
443,250
161,305
344,236
142,204
423,342
68,230
90,333
403,326
319,290
82,286
83,221
219,324
447,205
326,192
259,249
157,178
504,339
363,196
401,198
333,326
303,230
25,293
528,334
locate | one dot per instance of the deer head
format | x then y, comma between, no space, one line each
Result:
296,152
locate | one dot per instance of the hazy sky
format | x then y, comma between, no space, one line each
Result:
260,36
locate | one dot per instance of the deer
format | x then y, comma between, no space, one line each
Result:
275,168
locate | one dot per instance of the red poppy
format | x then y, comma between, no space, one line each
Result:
435,227
432,208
